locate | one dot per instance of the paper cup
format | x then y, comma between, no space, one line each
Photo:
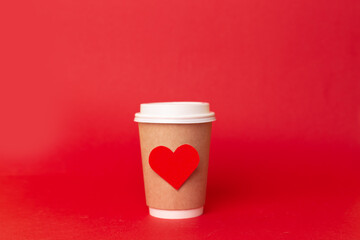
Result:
172,124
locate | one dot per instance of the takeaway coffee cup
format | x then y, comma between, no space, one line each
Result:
175,173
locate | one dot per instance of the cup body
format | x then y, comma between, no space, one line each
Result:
160,194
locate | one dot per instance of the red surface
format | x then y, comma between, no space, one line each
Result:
282,77
101,208
174,167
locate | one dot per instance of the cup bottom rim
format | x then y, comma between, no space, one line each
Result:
176,214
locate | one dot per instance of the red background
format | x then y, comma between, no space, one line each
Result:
281,76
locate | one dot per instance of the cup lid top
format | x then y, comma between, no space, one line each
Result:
175,112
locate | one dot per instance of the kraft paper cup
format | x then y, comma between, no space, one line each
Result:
172,124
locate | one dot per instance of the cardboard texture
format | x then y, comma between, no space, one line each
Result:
174,167
159,193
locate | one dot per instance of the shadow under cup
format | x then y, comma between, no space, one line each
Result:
173,124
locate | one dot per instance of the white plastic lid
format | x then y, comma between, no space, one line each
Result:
176,214
175,112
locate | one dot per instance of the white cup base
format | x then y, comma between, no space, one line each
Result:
176,214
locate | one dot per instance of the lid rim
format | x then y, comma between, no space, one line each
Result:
175,121
193,116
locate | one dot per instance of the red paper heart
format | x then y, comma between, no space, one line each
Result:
174,167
